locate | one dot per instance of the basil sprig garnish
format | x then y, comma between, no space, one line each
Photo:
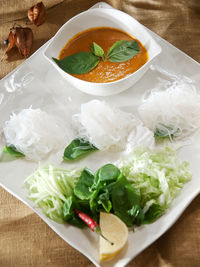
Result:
83,62
123,50
163,131
11,150
79,63
78,148
98,51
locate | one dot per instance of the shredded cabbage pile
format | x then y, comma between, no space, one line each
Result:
34,133
157,177
174,111
105,126
49,188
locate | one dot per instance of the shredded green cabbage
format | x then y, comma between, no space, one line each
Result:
49,188
157,177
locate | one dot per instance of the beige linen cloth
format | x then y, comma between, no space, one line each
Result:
25,240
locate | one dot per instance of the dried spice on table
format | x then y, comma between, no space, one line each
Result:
37,14
22,38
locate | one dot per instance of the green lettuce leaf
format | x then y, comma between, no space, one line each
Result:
157,177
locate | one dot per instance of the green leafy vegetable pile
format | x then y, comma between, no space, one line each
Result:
106,190
49,188
138,190
84,62
157,177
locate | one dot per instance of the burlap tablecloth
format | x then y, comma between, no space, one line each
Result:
25,240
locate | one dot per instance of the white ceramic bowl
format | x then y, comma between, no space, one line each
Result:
106,18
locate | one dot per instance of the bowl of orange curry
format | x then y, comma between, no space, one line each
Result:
102,51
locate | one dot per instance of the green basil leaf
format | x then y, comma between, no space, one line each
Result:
77,148
113,47
126,202
78,63
98,51
92,49
163,131
123,50
137,213
104,200
82,189
68,212
107,173
153,213
94,206
158,133
11,150
104,177
74,220
68,208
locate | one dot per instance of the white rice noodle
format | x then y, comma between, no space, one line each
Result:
177,107
141,136
104,126
34,133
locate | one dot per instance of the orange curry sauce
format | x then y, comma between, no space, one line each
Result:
105,71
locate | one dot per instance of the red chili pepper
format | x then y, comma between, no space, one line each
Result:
93,225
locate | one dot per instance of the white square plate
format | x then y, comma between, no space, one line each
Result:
36,83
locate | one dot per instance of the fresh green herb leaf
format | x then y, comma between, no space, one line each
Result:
74,220
137,213
163,131
126,202
98,51
123,50
158,133
94,206
92,49
82,189
68,212
153,213
104,200
77,148
104,176
68,208
78,63
11,150
107,173
83,62
113,47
